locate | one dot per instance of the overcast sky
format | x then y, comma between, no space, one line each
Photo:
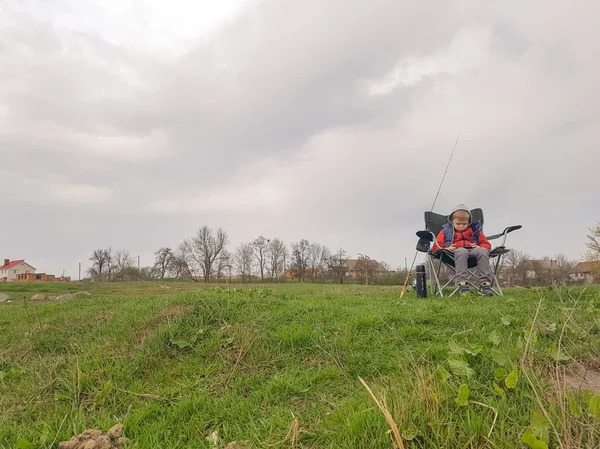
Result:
134,123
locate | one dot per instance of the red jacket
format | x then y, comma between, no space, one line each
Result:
462,239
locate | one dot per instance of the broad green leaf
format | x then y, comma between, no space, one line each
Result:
3,375
460,368
506,320
500,374
474,350
532,441
463,395
539,426
559,356
499,391
512,378
494,338
442,375
574,408
181,343
24,444
594,404
410,433
534,336
499,357
455,348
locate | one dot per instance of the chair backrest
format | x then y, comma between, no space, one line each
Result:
434,222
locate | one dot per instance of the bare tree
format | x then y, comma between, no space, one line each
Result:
260,248
276,258
514,263
180,267
365,266
243,258
300,257
101,260
223,264
317,259
593,244
563,267
204,249
122,259
163,262
337,264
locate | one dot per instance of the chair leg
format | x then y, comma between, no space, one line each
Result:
435,281
499,292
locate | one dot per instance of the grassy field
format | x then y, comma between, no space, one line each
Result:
281,367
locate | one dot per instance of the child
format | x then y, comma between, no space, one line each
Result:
465,239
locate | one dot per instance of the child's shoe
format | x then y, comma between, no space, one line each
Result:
463,289
486,289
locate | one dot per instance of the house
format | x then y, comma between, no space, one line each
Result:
535,268
12,268
41,277
357,268
586,272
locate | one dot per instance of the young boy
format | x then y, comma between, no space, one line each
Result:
465,238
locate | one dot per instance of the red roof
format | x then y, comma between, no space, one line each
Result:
11,264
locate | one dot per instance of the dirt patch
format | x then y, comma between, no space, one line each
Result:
583,379
96,439
163,316
172,312
101,317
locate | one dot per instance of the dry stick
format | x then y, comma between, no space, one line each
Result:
396,438
244,347
562,387
58,432
494,409
524,371
144,395
293,431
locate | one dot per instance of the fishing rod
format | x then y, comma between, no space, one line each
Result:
431,210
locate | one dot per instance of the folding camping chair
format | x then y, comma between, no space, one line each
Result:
433,225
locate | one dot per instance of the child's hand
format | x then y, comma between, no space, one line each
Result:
451,247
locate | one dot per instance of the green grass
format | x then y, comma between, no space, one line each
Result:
279,366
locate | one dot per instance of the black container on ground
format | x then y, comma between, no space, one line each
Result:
421,282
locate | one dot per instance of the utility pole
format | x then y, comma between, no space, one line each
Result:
80,271
138,262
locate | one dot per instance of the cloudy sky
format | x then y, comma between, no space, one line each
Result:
133,123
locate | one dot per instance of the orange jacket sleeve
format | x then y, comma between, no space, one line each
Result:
483,241
439,242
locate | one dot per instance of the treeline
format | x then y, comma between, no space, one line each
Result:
206,257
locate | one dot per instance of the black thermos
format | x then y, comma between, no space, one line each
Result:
421,282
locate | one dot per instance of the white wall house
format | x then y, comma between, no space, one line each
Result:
10,269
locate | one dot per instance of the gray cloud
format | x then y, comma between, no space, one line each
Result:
331,121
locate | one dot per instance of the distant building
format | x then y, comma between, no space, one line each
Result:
586,272
12,268
21,271
357,268
41,277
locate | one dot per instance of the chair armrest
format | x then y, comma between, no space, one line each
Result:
425,239
504,233
426,235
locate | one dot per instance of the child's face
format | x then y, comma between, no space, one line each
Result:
460,222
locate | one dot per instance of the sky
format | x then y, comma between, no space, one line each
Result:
132,124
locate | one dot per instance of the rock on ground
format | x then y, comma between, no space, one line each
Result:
4,297
96,439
